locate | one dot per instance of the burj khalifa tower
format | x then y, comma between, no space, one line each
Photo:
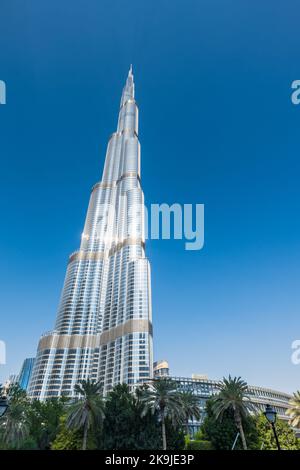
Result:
103,328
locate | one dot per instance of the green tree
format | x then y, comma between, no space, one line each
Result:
44,419
87,413
222,432
148,434
294,410
174,436
189,408
133,429
286,436
15,427
66,439
162,397
14,424
233,395
119,428
16,394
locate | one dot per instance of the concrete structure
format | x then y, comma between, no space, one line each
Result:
160,369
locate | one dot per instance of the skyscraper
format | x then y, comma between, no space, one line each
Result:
104,323
25,372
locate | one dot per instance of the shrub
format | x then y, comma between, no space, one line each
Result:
199,445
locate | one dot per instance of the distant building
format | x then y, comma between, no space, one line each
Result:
25,373
160,369
204,388
12,379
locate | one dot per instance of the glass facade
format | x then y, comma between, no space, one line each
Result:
25,373
103,328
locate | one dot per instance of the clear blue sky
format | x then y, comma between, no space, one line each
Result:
216,127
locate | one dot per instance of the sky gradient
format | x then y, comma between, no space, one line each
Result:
217,127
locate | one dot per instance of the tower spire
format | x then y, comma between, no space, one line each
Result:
128,90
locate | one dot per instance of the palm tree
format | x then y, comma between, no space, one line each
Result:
88,411
15,425
233,395
162,397
294,410
189,408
